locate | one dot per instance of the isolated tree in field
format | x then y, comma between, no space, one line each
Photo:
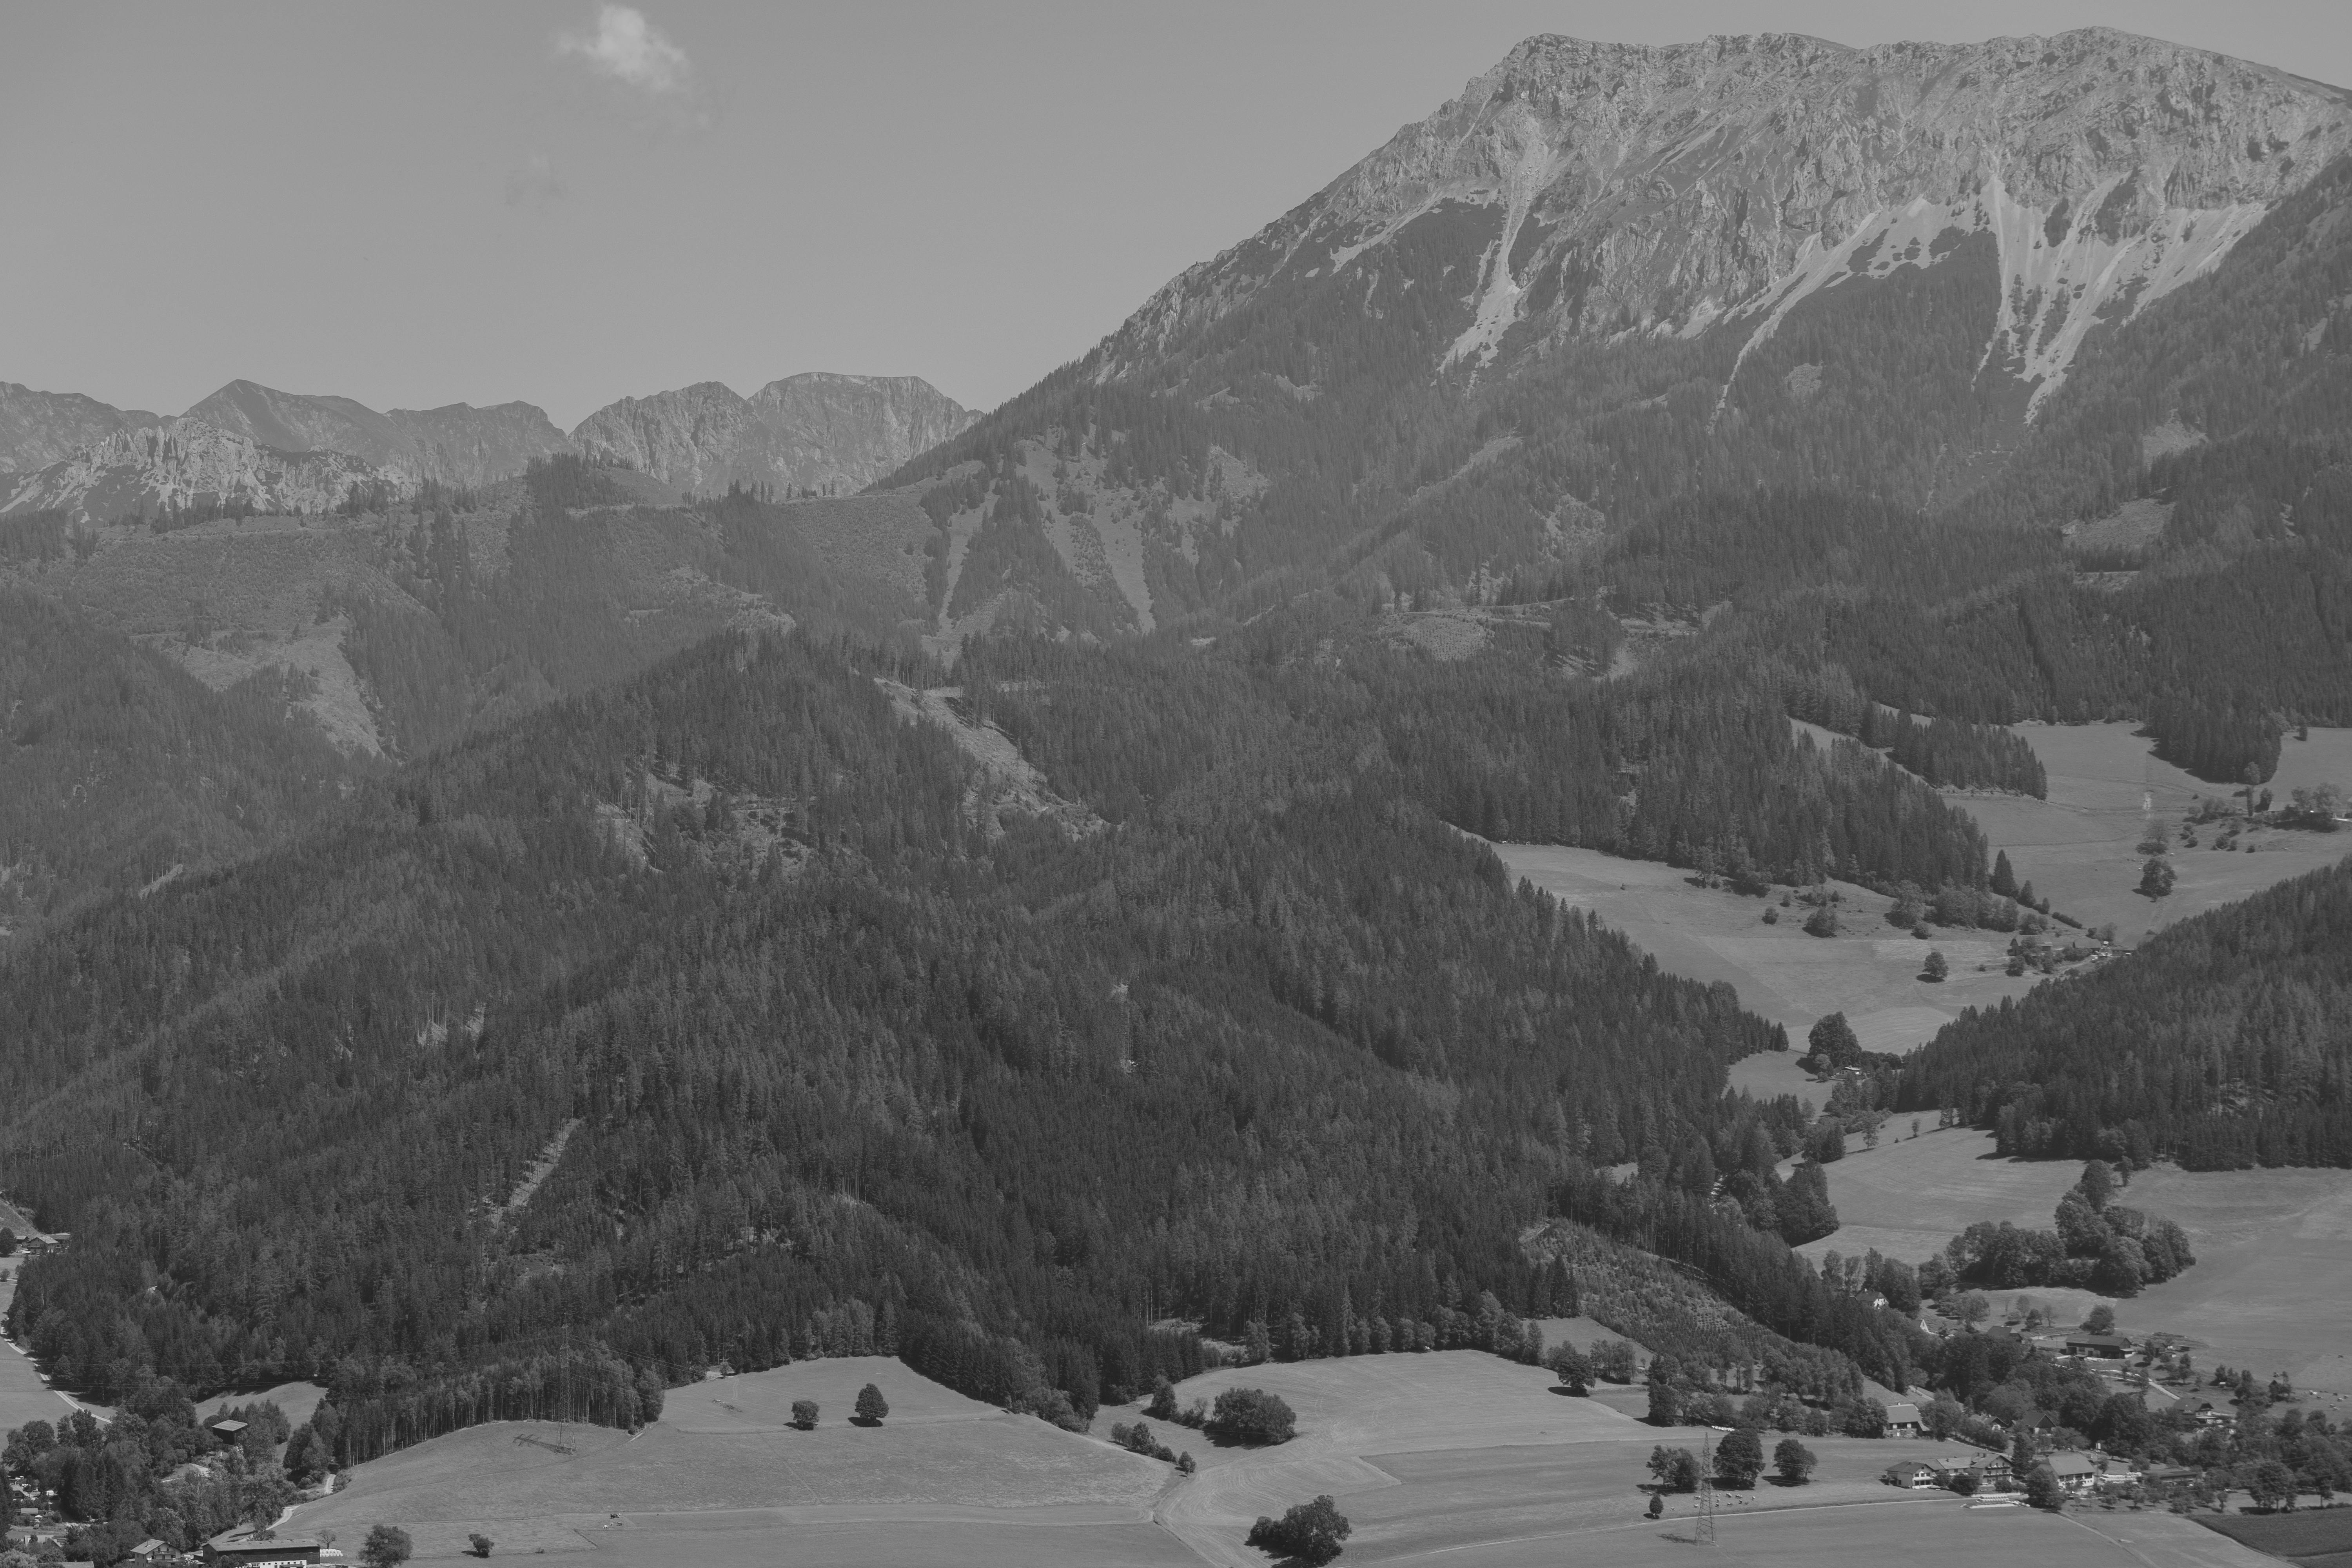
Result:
1571,1366
1936,968
805,1414
2270,1485
1739,1457
1794,1462
2042,1489
2156,878
1163,1400
1822,921
1310,1532
1251,1415
1971,1308
387,1546
871,1406
1675,1470
1665,1408
2101,1319
1833,1041
479,1543
1657,1504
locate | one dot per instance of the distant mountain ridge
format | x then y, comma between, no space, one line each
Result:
457,444
815,431
186,463
37,428
251,443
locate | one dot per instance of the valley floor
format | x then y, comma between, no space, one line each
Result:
1452,1458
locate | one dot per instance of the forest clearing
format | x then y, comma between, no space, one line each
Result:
2079,847
1871,971
2271,1290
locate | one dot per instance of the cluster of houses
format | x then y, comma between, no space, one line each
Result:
2079,1474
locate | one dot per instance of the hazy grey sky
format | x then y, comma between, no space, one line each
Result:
567,202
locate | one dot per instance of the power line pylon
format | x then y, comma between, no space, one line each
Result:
1705,1534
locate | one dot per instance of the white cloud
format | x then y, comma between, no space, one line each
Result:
534,184
628,49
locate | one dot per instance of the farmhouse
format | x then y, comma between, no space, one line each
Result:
1903,1420
2097,1347
2076,1472
226,1431
1911,1474
245,1549
1990,1470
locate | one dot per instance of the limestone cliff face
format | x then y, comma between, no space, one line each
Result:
37,428
460,444
185,462
1616,189
810,431
456,443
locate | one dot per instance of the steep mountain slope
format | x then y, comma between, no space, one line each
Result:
117,769
1608,277
813,432
457,444
37,428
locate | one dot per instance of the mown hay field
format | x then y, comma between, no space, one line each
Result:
2079,847
727,1447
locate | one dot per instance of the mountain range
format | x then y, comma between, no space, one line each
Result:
1030,915
253,447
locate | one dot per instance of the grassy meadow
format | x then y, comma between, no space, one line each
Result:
1870,971
2271,1289
2107,786
725,1452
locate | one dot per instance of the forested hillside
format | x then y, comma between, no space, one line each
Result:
2225,1042
117,767
852,1065
188,690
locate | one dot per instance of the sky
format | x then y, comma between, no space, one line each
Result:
568,202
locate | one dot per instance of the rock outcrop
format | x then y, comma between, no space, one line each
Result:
818,431
189,463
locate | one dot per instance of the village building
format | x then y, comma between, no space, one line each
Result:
1911,1473
2097,1347
1903,1420
2076,1472
244,1548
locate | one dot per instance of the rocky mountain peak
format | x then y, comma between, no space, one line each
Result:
813,431
1691,188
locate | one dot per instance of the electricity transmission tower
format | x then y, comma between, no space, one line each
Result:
1705,1534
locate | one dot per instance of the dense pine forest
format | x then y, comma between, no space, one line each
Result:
848,1062
2239,1050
